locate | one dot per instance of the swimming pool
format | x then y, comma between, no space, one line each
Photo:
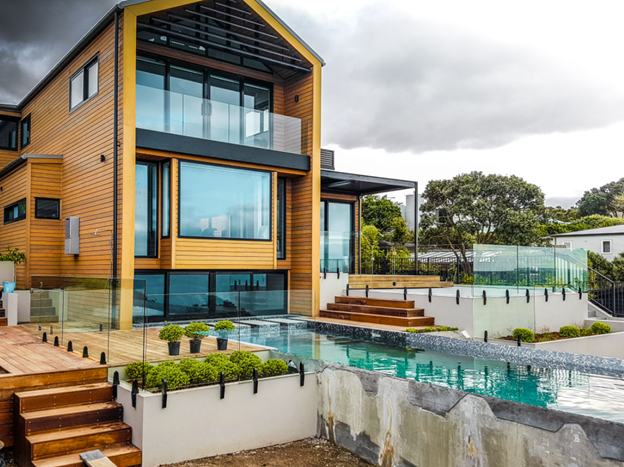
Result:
567,390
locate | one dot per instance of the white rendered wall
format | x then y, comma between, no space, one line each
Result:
7,271
23,306
197,423
332,287
593,243
604,345
10,304
551,315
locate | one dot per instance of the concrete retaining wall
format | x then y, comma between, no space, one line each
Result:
197,423
397,422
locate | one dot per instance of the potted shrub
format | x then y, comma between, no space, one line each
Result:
16,257
196,332
172,334
223,329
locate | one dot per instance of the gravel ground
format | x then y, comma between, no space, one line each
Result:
310,452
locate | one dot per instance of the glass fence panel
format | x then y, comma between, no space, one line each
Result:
338,251
187,115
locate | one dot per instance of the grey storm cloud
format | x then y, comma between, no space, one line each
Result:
36,34
397,83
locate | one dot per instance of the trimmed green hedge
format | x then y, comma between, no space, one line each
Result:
570,331
175,377
137,369
273,367
526,335
246,361
601,328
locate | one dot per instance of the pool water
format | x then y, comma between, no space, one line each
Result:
570,391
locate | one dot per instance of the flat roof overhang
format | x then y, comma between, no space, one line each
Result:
359,185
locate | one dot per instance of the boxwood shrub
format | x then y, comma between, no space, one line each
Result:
137,369
570,331
213,358
175,377
587,332
526,335
171,333
246,361
273,367
191,331
224,325
601,328
231,370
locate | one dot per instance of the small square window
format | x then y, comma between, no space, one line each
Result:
606,246
15,212
8,133
46,208
25,130
567,245
83,85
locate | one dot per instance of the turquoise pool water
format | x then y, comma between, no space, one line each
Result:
571,391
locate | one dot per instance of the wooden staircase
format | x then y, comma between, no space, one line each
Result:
377,311
55,425
3,319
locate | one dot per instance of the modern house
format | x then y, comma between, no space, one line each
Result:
605,241
178,145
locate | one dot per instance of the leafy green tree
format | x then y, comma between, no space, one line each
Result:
370,247
488,209
594,221
560,214
618,203
380,212
399,234
601,200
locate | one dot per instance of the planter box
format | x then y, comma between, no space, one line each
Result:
196,423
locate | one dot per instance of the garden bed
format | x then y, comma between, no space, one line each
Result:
547,337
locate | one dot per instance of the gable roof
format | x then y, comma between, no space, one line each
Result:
99,27
613,230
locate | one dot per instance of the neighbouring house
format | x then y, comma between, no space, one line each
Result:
187,135
605,241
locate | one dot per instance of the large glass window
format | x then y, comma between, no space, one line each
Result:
146,212
149,296
8,134
166,199
337,239
186,101
188,294
281,218
222,202
150,78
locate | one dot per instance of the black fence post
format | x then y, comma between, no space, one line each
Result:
45,337
580,293
85,352
484,298
338,272
164,394
255,381
430,294
115,384
507,296
405,293
485,336
563,293
519,342
324,273
222,384
70,346
347,290
135,391
366,290
56,341
103,358
457,297
528,296
546,294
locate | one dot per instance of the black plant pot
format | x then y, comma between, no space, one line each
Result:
195,345
222,343
174,348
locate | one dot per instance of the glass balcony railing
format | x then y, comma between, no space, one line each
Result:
181,114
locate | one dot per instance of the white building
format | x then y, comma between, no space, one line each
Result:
408,211
606,241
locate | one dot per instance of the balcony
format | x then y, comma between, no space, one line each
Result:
181,114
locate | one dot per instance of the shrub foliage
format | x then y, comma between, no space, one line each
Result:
171,333
526,335
601,328
570,331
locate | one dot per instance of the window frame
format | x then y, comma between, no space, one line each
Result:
352,252
156,208
602,247
162,198
26,120
281,215
85,83
13,205
17,122
190,161
48,218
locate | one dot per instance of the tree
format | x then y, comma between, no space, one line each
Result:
380,212
487,209
561,214
399,234
600,200
370,247
618,204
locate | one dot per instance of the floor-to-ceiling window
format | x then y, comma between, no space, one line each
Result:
337,242
146,210
224,202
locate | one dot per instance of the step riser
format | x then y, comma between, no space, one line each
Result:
114,414
87,442
405,313
387,320
40,303
120,460
43,319
409,304
31,404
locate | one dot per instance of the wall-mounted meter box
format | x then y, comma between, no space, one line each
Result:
72,235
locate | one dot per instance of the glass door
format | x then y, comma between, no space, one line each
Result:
337,249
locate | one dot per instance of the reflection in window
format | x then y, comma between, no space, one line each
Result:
281,218
15,212
149,292
8,134
150,78
188,294
146,220
166,199
221,202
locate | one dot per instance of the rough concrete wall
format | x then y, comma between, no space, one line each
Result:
396,422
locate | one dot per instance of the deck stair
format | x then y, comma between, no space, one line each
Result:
377,311
395,282
54,426
42,309
3,317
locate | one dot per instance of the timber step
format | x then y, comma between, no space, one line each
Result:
122,455
72,416
379,319
65,396
389,282
86,438
405,304
377,310
4,322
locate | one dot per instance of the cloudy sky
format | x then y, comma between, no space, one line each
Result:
424,90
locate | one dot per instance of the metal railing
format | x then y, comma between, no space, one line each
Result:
605,293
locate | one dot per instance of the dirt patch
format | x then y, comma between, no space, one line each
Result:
312,452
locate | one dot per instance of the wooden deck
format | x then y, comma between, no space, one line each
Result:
128,346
